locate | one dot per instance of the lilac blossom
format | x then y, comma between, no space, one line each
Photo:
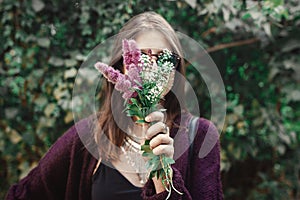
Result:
114,76
111,74
123,84
133,75
131,53
127,94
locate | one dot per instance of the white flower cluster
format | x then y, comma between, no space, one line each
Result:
157,73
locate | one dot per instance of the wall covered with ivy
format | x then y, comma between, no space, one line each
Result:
255,45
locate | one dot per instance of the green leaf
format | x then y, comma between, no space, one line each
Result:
134,110
154,163
140,121
55,61
70,62
246,16
152,174
277,2
37,5
168,160
49,109
43,42
146,148
148,154
131,113
41,101
147,142
134,101
11,113
70,73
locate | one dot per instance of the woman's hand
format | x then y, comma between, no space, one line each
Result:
160,142
159,136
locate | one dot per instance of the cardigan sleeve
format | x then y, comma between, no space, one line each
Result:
48,179
205,177
149,192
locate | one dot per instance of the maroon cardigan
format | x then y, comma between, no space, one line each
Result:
65,172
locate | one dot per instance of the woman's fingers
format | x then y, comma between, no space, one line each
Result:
155,129
159,140
159,143
156,116
168,150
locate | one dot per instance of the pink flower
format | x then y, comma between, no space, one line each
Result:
111,74
123,85
134,76
131,53
134,94
101,67
127,95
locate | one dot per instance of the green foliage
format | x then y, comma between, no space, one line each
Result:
43,44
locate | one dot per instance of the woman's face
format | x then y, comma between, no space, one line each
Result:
156,42
153,40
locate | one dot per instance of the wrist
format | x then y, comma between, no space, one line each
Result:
159,187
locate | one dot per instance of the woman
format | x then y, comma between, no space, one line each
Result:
69,171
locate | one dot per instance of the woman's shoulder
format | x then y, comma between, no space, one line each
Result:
74,135
207,136
83,126
206,126
201,124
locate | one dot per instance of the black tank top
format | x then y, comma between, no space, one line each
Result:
110,184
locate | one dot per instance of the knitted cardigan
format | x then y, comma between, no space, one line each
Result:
66,170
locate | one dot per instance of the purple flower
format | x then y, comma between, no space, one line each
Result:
111,74
123,85
128,94
134,76
101,67
131,53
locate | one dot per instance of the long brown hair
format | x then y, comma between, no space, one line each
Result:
108,135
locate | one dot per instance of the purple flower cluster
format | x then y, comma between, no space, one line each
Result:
111,74
131,54
125,83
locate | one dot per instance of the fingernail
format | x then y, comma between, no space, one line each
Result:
148,118
150,146
147,136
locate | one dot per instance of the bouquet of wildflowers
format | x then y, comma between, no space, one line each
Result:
142,86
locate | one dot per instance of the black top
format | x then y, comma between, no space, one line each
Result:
110,184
